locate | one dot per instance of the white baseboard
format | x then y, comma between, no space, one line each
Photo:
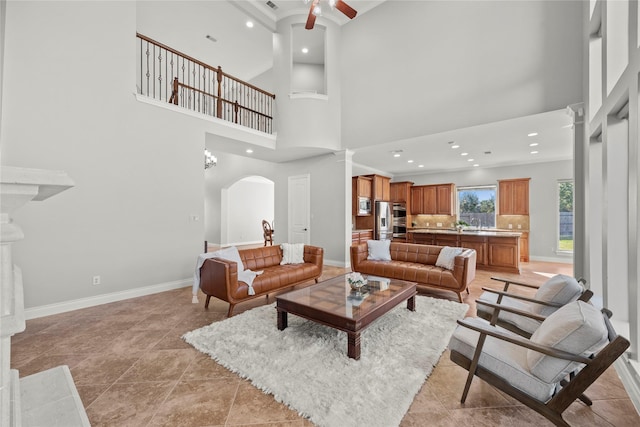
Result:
334,263
564,260
630,379
63,307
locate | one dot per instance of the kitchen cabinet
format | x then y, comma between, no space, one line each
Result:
432,199
360,187
477,243
380,187
495,251
361,236
400,192
524,247
513,196
504,252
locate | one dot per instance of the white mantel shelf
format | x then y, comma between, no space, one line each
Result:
48,397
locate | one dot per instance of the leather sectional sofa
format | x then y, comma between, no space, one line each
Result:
219,277
416,263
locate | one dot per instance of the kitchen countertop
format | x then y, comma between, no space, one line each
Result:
482,232
361,229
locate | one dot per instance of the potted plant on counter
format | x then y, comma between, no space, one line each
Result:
460,225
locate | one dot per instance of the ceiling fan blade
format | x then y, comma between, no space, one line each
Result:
346,9
311,19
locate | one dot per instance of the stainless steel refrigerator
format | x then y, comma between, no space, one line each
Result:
383,228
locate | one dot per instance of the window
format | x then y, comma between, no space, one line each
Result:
477,205
565,216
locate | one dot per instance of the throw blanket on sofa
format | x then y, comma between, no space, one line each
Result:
246,276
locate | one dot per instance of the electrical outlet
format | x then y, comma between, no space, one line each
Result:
510,226
96,280
519,226
439,224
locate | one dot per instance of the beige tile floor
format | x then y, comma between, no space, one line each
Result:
132,368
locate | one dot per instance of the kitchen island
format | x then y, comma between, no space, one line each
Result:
496,250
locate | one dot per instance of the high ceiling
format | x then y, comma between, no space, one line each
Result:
489,145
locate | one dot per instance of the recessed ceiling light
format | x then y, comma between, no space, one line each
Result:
396,155
409,161
464,154
420,166
249,24
454,146
532,134
470,160
534,152
476,165
533,144
249,150
305,50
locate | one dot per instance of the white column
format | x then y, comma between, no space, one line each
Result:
48,397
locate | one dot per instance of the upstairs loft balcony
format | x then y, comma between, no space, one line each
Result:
167,75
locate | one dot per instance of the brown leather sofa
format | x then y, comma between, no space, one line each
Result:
416,263
219,277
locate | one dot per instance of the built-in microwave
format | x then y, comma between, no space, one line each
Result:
364,206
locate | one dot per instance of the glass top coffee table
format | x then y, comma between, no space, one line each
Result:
333,303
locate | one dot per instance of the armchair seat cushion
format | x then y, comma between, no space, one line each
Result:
501,358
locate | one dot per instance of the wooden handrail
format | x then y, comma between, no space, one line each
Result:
204,88
202,64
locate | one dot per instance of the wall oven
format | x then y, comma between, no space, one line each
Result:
399,221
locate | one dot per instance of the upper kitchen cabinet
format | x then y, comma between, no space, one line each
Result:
513,196
400,191
432,199
361,186
381,187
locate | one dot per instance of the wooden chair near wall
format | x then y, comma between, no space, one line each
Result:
267,232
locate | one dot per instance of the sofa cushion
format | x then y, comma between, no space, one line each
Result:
447,257
560,289
292,253
577,328
379,250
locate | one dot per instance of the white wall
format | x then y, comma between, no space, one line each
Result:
137,168
543,206
329,224
433,66
249,201
307,78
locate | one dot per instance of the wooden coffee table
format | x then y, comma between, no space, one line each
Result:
333,303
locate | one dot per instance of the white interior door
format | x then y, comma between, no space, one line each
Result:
299,209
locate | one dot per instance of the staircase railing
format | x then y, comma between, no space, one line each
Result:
169,75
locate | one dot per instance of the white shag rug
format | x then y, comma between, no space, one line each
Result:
306,366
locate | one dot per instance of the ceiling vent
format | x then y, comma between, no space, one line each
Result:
272,5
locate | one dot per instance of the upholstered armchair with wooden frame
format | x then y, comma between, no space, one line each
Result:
548,371
529,312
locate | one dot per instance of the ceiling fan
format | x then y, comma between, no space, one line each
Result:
338,4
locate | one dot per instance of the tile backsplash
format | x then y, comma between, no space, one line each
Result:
503,221
447,221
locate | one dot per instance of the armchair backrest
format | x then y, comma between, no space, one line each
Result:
561,289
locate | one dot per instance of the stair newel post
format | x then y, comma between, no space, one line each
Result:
235,112
219,100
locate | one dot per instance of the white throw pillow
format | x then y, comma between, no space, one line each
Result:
292,253
447,257
379,250
231,254
577,328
